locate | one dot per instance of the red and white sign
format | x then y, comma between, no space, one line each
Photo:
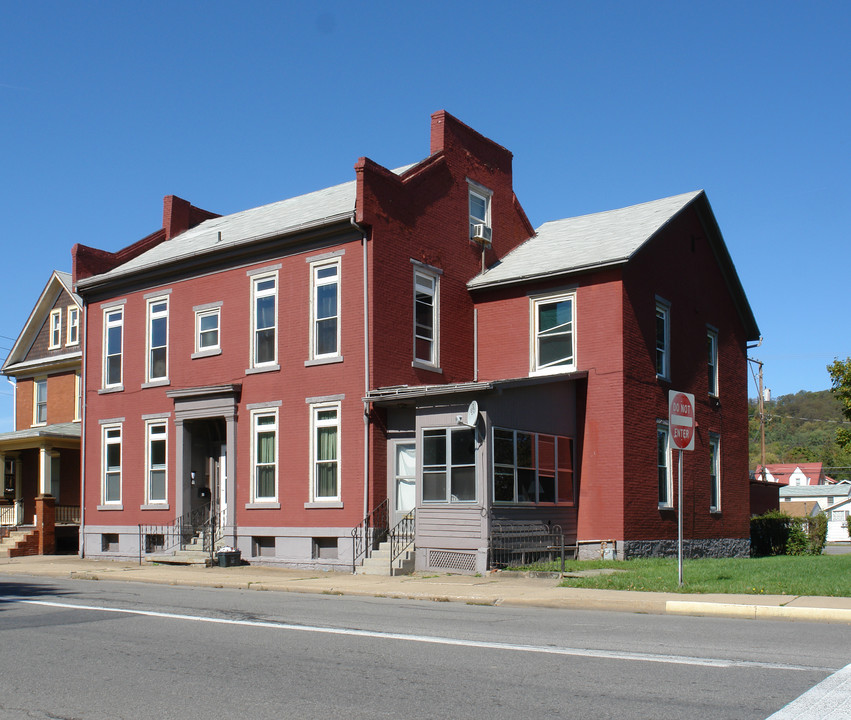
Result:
681,420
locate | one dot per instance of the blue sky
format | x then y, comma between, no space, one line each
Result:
107,107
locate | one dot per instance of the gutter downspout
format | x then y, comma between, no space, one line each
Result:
365,365
85,344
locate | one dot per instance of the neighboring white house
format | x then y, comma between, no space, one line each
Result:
833,499
793,474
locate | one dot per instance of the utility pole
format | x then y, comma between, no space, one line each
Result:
761,410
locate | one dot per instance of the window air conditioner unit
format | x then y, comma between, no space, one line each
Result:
480,233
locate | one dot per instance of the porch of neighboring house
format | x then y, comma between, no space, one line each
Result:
40,499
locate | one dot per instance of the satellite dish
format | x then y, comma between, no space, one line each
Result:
473,414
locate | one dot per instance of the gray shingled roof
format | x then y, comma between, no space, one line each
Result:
809,491
58,430
279,218
588,241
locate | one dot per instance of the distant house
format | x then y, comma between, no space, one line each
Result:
831,499
793,474
405,354
41,456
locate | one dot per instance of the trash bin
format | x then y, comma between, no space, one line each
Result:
230,558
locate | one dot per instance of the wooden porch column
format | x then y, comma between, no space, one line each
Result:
45,514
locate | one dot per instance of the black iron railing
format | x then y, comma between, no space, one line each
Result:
369,533
520,544
401,537
198,523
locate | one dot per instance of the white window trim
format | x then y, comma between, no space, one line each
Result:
669,504
202,313
712,336
75,325
106,326
315,424
315,284
150,425
664,307
447,500
55,340
715,441
434,276
256,414
36,383
151,316
105,442
255,281
534,303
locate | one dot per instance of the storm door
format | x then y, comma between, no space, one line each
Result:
402,492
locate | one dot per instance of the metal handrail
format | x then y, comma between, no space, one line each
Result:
402,537
371,531
178,534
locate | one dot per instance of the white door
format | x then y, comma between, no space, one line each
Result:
403,493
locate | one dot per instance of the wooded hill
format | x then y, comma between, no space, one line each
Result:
801,428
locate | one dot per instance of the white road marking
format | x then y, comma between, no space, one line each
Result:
829,700
436,640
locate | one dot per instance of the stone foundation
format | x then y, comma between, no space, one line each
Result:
709,548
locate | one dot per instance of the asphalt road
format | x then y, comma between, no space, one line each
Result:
90,650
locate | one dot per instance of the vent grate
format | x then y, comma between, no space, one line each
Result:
447,560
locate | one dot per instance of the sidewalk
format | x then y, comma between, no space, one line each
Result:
497,588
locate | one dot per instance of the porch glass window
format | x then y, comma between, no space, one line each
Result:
40,402
265,456
113,344
111,464
264,320
553,345
449,465
157,339
326,452
156,462
326,310
532,467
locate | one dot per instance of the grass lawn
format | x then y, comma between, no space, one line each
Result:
828,575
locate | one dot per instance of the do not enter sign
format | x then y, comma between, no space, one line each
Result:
681,420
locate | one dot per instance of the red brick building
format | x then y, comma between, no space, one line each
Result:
304,373
40,499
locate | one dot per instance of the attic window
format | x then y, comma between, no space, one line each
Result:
480,212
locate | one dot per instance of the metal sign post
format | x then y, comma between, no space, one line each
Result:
681,436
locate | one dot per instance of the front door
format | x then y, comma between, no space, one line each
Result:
402,481
220,486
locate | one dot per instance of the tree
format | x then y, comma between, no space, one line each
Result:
840,378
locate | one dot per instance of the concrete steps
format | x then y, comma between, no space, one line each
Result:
379,562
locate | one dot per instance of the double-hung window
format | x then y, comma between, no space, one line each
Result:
714,473
663,340
40,402
207,328
55,329
264,456
264,324
426,317
113,344
663,467
532,467
449,465
325,309
712,360
156,462
480,211
325,440
157,361
73,323
553,341
111,464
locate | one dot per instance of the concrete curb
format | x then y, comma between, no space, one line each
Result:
758,612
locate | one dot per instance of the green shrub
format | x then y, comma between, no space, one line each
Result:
776,533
